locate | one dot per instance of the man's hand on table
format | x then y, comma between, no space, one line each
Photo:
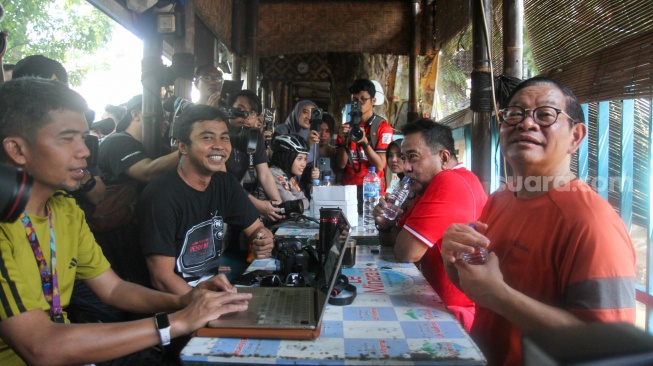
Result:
204,306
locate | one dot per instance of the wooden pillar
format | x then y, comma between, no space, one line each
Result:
252,49
151,70
238,37
513,38
413,64
482,118
186,45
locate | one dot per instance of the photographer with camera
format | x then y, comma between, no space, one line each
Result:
287,165
362,143
42,130
240,162
182,232
299,123
208,81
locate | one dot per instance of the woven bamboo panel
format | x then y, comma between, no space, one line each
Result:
621,71
275,68
558,36
217,15
451,17
371,27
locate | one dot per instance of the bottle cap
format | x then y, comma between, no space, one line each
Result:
373,169
327,177
316,181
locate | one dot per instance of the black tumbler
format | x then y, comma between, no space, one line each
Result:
328,228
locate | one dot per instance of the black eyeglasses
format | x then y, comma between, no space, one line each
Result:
544,116
361,100
250,114
208,78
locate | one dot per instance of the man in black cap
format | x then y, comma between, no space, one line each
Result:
42,67
103,128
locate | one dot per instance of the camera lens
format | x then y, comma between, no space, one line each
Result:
290,207
356,133
15,188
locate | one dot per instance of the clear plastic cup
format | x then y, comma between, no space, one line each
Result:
478,257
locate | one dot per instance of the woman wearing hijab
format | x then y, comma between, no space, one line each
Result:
299,123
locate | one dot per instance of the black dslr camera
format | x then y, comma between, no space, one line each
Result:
288,208
356,133
244,139
15,189
292,257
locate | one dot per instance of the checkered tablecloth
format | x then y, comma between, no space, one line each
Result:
396,319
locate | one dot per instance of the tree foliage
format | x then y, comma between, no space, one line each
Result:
64,30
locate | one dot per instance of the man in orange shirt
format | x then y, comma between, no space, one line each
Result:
559,253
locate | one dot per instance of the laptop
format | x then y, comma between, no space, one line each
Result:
286,312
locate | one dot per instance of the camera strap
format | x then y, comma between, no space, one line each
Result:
351,159
252,172
341,286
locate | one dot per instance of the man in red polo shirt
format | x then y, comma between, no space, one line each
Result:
355,157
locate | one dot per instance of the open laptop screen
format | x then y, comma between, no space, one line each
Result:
333,256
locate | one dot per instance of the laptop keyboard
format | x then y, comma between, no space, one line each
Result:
282,307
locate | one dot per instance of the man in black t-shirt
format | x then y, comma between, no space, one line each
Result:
182,214
122,157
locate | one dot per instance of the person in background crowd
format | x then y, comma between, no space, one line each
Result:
238,163
355,157
327,149
288,162
559,254
42,130
299,123
103,128
396,166
126,168
449,193
208,81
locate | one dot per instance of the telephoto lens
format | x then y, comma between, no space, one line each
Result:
291,207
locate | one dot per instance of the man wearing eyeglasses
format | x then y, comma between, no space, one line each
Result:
238,163
364,153
559,254
208,81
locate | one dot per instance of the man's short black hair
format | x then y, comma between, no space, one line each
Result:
201,68
26,103
360,85
254,100
573,108
437,136
192,114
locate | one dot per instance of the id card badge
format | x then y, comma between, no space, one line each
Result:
202,248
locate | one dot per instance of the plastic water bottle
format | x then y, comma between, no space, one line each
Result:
397,198
314,212
326,181
371,194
